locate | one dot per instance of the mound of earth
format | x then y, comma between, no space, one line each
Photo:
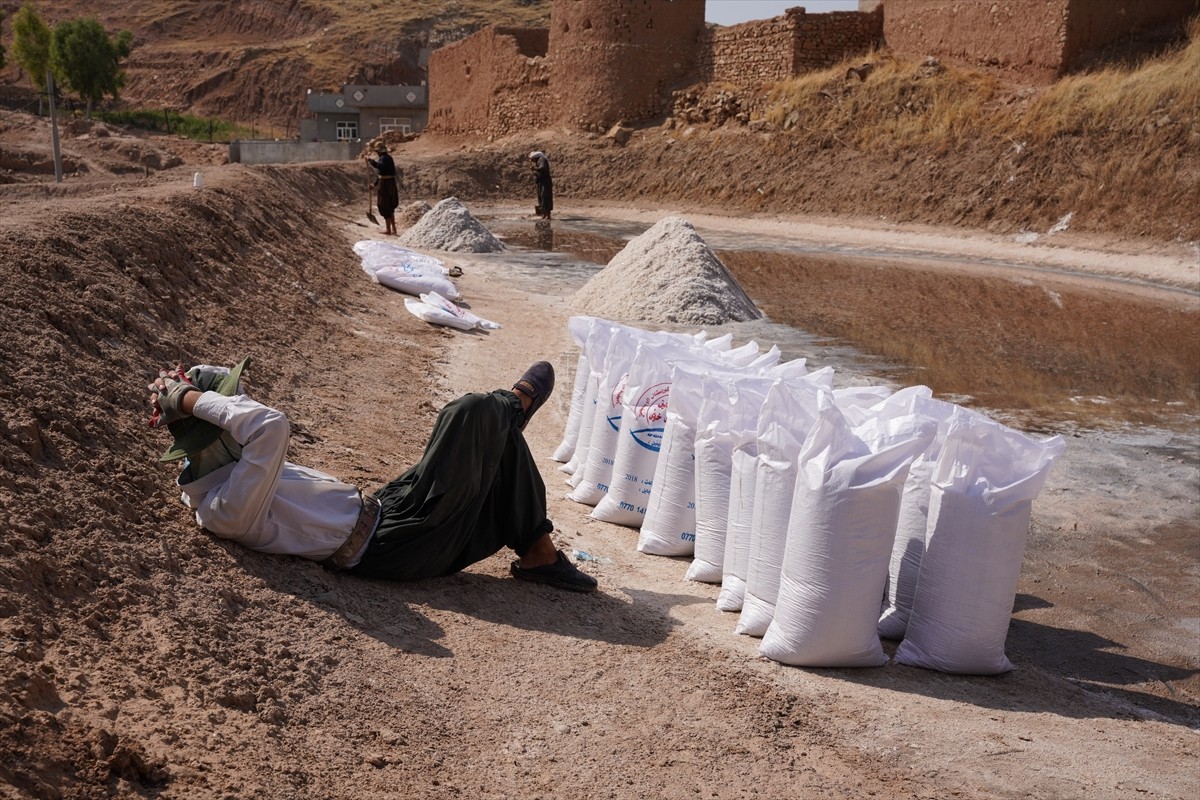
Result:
450,226
412,213
666,275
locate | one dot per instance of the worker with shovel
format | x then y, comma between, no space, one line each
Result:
387,196
475,490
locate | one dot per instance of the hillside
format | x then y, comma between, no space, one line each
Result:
1115,152
252,61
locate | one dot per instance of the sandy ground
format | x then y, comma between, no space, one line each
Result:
147,659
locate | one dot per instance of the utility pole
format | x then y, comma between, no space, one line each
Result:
54,128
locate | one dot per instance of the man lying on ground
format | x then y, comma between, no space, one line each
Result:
475,490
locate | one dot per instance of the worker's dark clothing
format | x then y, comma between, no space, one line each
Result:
388,190
475,490
545,185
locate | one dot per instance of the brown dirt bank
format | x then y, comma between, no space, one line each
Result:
144,658
986,185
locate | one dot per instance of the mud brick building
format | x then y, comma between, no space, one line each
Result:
608,61
1041,39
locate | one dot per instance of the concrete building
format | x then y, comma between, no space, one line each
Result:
360,111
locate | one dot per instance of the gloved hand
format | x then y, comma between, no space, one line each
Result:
167,399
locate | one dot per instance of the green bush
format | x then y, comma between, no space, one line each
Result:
202,129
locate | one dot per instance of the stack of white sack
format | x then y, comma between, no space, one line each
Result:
611,350
840,532
437,310
405,270
644,401
830,517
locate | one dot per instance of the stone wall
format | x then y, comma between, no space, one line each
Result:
771,50
491,83
617,60
749,54
1042,39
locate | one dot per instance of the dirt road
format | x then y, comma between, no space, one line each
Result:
145,658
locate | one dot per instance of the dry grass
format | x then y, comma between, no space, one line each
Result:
903,104
1124,100
898,104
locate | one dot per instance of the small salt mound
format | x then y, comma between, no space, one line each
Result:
666,275
449,226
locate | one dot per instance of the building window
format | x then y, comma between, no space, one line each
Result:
347,131
402,124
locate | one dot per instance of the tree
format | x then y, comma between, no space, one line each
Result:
88,61
31,44
1,44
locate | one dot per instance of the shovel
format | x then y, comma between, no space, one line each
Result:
370,216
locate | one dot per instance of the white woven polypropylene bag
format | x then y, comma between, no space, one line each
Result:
840,533
789,412
982,491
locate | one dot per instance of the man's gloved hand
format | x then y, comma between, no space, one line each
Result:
167,399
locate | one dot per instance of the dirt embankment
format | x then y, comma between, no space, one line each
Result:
144,658
109,600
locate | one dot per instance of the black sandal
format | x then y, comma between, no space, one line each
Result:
537,383
562,574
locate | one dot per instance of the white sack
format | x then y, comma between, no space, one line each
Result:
566,447
596,473
982,491
411,281
376,255
750,392
840,534
578,327
789,411
595,350
669,528
464,319
911,524
435,315
746,403
587,419
714,453
644,404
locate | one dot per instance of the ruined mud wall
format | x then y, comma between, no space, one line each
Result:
1091,25
619,59
1042,39
491,83
774,49
1023,35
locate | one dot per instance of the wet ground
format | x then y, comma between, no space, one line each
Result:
1042,352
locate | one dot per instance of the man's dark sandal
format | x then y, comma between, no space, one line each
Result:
562,574
537,383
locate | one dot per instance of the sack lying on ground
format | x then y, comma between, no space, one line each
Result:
376,255
982,490
435,309
405,270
